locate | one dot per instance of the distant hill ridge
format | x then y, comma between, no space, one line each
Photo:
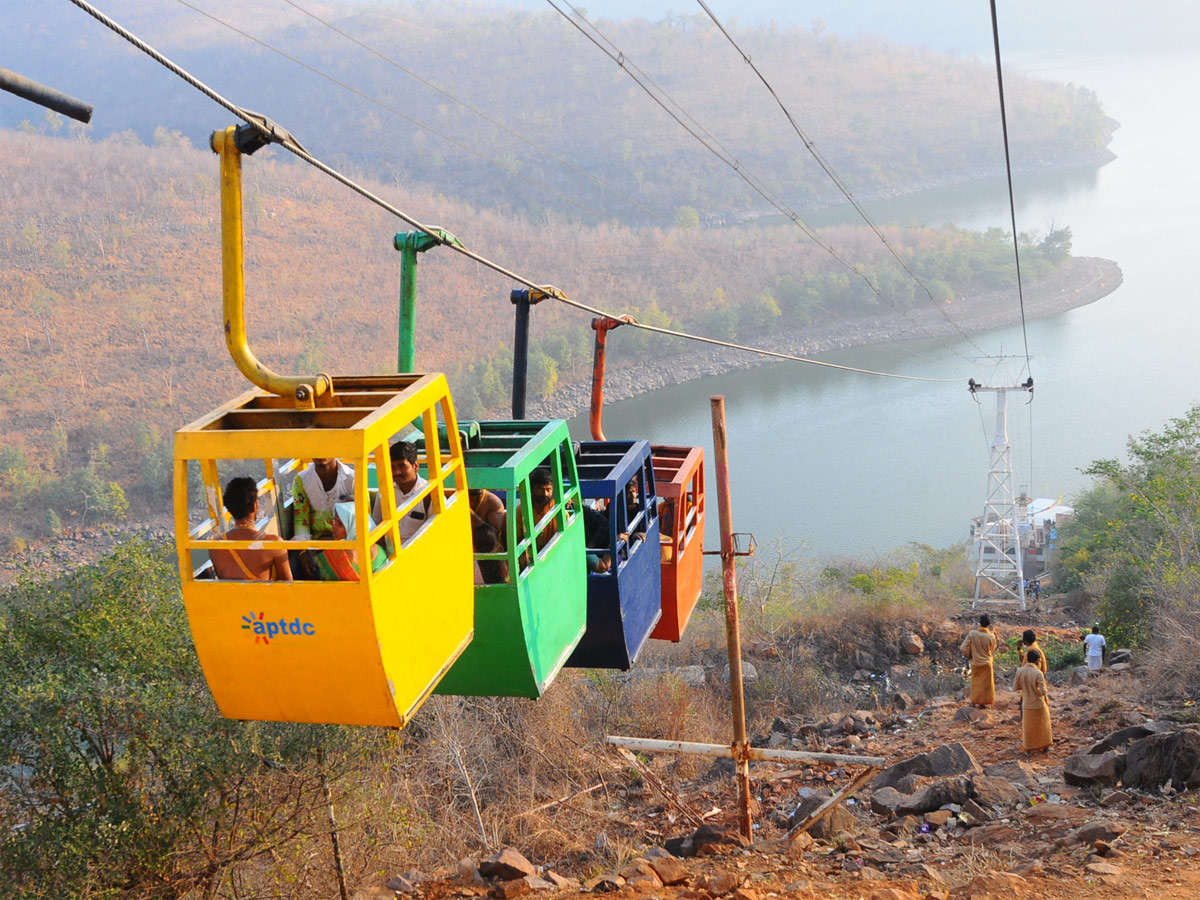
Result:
886,117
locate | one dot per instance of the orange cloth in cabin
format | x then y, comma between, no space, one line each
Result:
1036,733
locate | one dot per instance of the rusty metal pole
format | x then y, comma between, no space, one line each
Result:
741,747
601,326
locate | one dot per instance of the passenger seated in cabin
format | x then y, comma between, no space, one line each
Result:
666,534
316,489
314,492
595,534
631,511
342,565
541,500
541,497
484,539
407,483
241,499
487,507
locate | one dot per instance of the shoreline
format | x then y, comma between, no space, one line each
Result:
1082,280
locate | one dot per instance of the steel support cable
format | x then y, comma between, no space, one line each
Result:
498,124
391,109
1012,206
836,179
281,136
715,148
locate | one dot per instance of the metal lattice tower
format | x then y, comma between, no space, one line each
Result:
999,569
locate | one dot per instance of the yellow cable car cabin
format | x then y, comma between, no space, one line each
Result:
364,652
367,646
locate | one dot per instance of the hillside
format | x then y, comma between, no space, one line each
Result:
111,295
886,117
144,791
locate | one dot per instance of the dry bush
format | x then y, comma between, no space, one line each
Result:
1173,660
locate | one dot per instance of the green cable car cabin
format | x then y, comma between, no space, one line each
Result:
531,614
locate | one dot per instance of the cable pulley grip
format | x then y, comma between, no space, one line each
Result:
536,295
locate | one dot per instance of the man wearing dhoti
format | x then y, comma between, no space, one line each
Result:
978,647
1035,707
1029,642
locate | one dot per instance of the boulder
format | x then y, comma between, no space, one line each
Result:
400,885
1160,759
542,885
935,795
902,701
467,873
720,883
705,835
506,890
669,870
995,793
885,801
639,870
1120,656
837,821
912,644
1119,668
749,673
977,813
562,882
1123,736
1017,772
938,818
506,865
1080,674
603,884
949,759
1105,831
1088,769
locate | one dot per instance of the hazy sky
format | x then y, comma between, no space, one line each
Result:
962,25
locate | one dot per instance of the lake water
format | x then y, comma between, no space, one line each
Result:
838,463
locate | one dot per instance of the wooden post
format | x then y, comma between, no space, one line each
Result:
732,631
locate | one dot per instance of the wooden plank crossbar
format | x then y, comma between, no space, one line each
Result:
759,754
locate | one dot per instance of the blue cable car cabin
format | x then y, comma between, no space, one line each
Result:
531,609
624,600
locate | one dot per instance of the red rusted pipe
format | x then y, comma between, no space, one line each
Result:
601,325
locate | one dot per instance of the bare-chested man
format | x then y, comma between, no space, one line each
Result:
241,499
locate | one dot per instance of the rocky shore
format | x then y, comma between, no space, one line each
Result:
1080,281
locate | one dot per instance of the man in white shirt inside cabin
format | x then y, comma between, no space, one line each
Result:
1095,648
407,481
314,492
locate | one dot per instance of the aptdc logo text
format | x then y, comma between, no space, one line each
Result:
264,629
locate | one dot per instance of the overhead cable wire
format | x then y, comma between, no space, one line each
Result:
836,179
277,134
714,147
1012,206
391,109
498,124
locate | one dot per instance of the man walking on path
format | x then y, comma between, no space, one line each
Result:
1035,706
978,647
1095,648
